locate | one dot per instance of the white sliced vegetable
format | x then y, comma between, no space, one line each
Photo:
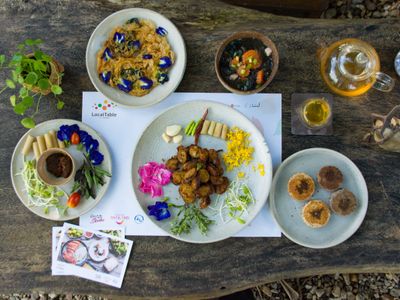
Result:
177,139
173,130
205,127
217,130
211,128
53,135
166,138
36,150
224,132
48,140
28,145
268,51
41,143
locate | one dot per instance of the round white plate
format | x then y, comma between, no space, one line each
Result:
17,166
151,147
287,212
100,35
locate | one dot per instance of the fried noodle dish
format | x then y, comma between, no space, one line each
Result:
136,57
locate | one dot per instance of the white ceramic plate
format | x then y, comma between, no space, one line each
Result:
17,165
100,35
287,212
151,147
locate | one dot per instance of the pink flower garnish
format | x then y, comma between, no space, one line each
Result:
154,176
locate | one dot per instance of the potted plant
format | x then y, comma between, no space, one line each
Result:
33,74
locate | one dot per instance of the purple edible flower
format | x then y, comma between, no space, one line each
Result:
163,78
134,44
165,62
105,76
159,210
147,56
161,31
96,157
125,85
65,132
119,38
145,83
107,55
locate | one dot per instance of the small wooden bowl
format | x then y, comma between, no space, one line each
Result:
242,35
49,178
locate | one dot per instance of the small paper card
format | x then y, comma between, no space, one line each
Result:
93,255
118,231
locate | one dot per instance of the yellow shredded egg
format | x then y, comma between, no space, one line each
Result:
261,169
241,174
239,150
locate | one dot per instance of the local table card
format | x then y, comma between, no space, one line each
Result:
122,127
89,254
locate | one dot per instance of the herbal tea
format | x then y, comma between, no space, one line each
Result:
316,112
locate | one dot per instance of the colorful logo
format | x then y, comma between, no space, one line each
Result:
105,106
139,219
120,218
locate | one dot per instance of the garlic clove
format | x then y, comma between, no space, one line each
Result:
173,130
268,51
166,138
177,139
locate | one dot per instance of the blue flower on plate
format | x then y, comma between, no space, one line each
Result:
145,83
134,45
165,62
161,31
119,38
92,145
107,55
65,132
125,85
96,157
147,56
105,76
162,78
83,136
133,20
159,210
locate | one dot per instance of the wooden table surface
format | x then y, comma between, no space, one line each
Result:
162,266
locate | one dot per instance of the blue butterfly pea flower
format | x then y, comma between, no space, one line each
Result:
107,55
165,62
145,83
161,31
105,76
147,56
125,85
96,157
119,38
163,78
159,210
134,45
92,145
65,132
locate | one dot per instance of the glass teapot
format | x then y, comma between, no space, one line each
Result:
350,67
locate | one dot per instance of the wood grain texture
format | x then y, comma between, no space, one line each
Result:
162,266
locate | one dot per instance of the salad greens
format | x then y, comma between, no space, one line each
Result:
39,193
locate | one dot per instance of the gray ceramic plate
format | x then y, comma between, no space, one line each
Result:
17,165
151,147
100,35
287,212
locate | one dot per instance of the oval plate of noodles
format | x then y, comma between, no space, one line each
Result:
138,56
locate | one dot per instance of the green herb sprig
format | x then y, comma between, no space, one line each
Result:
30,71
88,178
186,217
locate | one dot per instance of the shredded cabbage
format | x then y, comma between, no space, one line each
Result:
39,193
235,202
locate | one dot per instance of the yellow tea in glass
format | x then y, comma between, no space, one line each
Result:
315,112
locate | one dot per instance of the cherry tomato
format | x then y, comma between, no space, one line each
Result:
75,139
74,200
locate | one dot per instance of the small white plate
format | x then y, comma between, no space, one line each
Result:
287,212
151,147
101,34
17,165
